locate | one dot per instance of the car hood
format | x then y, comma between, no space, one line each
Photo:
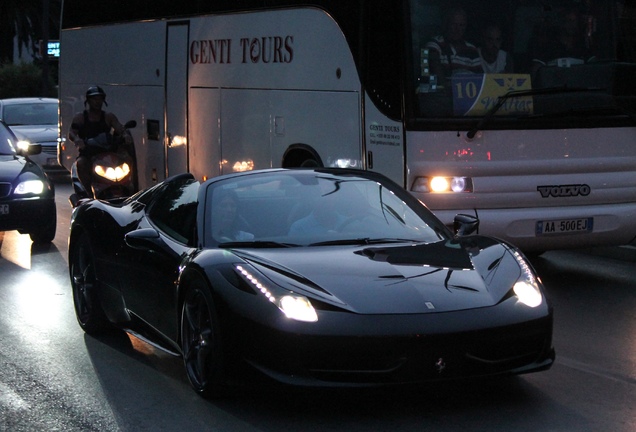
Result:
423,278
36,134
11,166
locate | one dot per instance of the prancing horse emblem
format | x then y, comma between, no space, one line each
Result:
440,365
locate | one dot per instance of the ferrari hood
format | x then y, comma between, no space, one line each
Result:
422,278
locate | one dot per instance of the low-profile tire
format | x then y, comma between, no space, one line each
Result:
85,286
201,343
45,233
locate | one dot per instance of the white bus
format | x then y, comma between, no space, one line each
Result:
543,151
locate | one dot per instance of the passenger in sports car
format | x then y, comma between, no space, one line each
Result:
227,226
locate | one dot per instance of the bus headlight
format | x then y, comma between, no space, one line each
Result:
442,185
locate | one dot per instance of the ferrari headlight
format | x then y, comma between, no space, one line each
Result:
294,306
528,294
527,287
298,308
113,174
29,187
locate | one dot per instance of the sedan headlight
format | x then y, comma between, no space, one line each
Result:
23,146
527,287
294,306
113,174
29,187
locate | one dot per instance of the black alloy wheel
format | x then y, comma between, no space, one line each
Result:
88,310
201,342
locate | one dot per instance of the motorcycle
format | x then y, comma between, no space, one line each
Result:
114,169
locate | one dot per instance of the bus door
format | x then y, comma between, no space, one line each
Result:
384,139
176,143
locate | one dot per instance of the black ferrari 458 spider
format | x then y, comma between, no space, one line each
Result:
310,276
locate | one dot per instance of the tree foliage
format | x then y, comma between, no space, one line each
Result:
22,20
23,80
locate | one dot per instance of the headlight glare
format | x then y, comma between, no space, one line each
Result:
29,187
23,145
528,294
298,308
439,184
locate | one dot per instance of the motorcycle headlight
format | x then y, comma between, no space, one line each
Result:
527,287
29,187
113,174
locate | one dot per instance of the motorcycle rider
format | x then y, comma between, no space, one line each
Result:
89,124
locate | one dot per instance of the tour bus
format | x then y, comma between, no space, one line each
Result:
537,142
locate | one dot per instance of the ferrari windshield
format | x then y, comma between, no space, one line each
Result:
283,209
467,55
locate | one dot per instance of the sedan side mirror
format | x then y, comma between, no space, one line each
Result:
26,148
464,224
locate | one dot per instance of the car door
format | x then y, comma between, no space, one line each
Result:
150,289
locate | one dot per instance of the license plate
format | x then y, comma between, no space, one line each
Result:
4,209
51,161
564,226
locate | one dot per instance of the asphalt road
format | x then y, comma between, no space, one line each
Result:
53,377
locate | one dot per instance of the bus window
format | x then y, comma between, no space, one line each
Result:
568,45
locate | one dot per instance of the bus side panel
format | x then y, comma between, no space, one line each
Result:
258,126
300,49
130,73
204,155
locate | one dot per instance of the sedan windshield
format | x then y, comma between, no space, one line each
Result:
6,141
314,208
30,114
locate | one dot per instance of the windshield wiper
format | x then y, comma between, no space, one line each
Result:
521,93
256,244
362,241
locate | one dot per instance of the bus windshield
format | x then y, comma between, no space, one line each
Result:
549,59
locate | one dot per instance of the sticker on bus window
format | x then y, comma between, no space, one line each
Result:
476,95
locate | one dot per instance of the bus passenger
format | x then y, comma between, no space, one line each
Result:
451,54
493,58
567,49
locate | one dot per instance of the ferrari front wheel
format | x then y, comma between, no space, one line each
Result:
201,342
88,309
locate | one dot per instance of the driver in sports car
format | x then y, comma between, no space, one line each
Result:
227,224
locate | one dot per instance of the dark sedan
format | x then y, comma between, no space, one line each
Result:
318,277
34,120
27,196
